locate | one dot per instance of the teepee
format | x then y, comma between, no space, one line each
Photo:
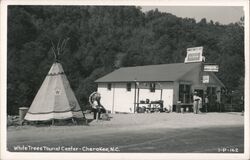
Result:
55,98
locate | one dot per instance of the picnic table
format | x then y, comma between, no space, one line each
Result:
151,107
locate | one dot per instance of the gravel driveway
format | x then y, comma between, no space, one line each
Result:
158,132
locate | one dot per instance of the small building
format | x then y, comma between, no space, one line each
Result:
123,89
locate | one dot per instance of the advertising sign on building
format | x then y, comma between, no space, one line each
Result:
211,68
205,79
194,54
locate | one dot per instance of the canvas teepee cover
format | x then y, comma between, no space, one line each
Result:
55,99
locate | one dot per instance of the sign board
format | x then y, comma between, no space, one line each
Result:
205,79
211,68
194,55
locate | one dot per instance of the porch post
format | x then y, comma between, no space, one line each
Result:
135,97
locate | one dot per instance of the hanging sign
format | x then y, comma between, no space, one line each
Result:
211,68
205,79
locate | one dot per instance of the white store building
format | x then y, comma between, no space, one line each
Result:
124,88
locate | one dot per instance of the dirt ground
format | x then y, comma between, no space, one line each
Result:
157,132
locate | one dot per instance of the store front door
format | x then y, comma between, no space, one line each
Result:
200,92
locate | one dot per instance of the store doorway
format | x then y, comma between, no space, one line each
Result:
200,92
212,97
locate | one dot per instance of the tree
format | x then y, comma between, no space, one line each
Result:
104,38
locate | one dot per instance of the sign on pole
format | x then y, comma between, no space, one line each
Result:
211,68
205,79
194,54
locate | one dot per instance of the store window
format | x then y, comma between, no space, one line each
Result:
152,87
185,93
128,87
109,86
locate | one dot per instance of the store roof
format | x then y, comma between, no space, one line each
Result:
149,73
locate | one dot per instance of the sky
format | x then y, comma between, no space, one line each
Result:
221,14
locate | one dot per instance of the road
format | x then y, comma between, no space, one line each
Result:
159,137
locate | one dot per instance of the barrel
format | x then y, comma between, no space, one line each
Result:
22,113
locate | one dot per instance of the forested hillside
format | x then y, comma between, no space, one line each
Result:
105,38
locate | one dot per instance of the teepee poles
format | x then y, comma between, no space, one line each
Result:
53,49
59,49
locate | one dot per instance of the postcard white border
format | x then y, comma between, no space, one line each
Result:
3,46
